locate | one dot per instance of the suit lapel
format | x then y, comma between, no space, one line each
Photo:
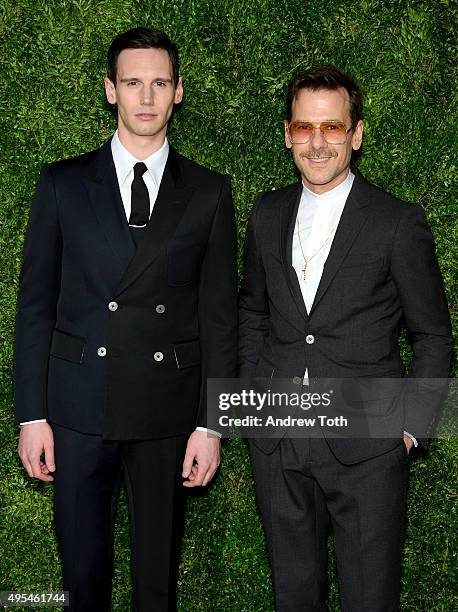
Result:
288,214
168,209
351,222
106,202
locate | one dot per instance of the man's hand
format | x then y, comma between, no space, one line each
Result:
408,442
201,459
34,440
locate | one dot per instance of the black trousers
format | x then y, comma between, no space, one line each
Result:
303,490
87,478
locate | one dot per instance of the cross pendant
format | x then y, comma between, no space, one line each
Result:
304,270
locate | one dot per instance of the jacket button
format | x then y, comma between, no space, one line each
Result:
160,308
101,351
297,380
310,339
158,356
113,306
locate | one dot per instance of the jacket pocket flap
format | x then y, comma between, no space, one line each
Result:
187,354
362,260
68,347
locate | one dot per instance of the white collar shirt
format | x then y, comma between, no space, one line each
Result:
317,219
124,164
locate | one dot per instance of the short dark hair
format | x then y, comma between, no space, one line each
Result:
329,77
142,38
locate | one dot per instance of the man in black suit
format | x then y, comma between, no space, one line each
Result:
333,267
127,303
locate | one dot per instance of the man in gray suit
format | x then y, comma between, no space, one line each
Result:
333,267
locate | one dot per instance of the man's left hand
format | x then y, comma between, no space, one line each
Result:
201,460
408,442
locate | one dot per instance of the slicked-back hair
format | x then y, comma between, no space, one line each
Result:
142,38
327,77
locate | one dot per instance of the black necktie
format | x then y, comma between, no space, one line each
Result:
139,213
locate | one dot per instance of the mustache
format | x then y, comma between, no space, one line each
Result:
320,154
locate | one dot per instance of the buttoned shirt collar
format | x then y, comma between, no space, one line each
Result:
125,161
337,194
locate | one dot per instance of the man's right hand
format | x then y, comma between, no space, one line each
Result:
34,440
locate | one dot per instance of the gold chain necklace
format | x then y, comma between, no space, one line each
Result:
306,261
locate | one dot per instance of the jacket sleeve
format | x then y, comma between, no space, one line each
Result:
218,299
253,302
39,285
417,276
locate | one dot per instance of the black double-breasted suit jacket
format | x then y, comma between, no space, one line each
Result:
381,274
117,340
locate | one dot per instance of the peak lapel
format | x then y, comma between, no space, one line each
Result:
105,199
168,209
353,218
288,216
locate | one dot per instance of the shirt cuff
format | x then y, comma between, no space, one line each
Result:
37,421
414,440
210,431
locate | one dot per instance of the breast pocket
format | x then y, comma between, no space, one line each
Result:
365,269
184,260
362,261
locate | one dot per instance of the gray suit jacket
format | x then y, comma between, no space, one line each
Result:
381,273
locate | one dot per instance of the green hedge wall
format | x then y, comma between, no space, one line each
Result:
237,57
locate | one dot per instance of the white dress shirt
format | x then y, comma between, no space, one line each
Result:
319,216
124,165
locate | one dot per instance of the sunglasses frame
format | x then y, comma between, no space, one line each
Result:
317,125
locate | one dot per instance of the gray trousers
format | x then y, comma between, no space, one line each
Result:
302,491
